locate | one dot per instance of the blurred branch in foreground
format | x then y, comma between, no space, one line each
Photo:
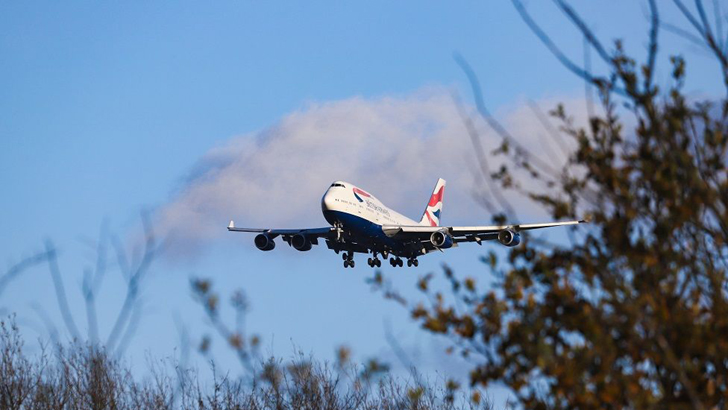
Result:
132,274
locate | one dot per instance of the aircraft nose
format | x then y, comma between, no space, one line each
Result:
327,202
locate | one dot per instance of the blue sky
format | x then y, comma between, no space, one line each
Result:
107,108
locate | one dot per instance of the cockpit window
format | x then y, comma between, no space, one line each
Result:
337,184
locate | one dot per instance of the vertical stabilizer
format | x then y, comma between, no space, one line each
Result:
431,216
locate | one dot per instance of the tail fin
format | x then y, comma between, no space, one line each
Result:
431,216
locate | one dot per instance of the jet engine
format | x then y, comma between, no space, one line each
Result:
441,239
300,243
264,242
509,238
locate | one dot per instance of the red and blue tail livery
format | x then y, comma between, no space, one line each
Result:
368,226
431,216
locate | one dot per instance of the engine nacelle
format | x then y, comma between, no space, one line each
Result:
264,242
300,243
509,238
441,239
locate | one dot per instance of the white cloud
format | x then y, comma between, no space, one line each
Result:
395,147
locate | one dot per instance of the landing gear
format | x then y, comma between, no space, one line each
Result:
338,226
396,262
348,258
374,262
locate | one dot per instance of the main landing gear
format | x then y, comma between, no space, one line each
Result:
374,262
348,258
398,262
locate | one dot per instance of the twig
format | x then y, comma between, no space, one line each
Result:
494,124
132,289
20,267
61,291
483,160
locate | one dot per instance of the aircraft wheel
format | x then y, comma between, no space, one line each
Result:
369,262
409,263
378,263
351,263
343,256
346,263
416,262
393,262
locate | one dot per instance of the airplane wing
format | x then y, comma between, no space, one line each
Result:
467,233
310,232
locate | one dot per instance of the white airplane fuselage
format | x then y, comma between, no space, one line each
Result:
359,212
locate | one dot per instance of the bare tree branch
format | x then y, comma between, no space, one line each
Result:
399,352
482,158
495,124
553,48
48,323
588,94
652,48
16,270
550,129
718,17
585,30
92,281
61,291
133,283
703,18
685,35
131,329
703,28
688,15
89,298
121,257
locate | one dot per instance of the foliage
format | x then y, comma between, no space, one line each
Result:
633,311
86,377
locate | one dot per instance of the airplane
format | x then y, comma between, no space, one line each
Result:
360,223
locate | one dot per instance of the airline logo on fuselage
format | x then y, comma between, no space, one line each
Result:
358,192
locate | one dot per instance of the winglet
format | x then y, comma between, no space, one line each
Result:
231,225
